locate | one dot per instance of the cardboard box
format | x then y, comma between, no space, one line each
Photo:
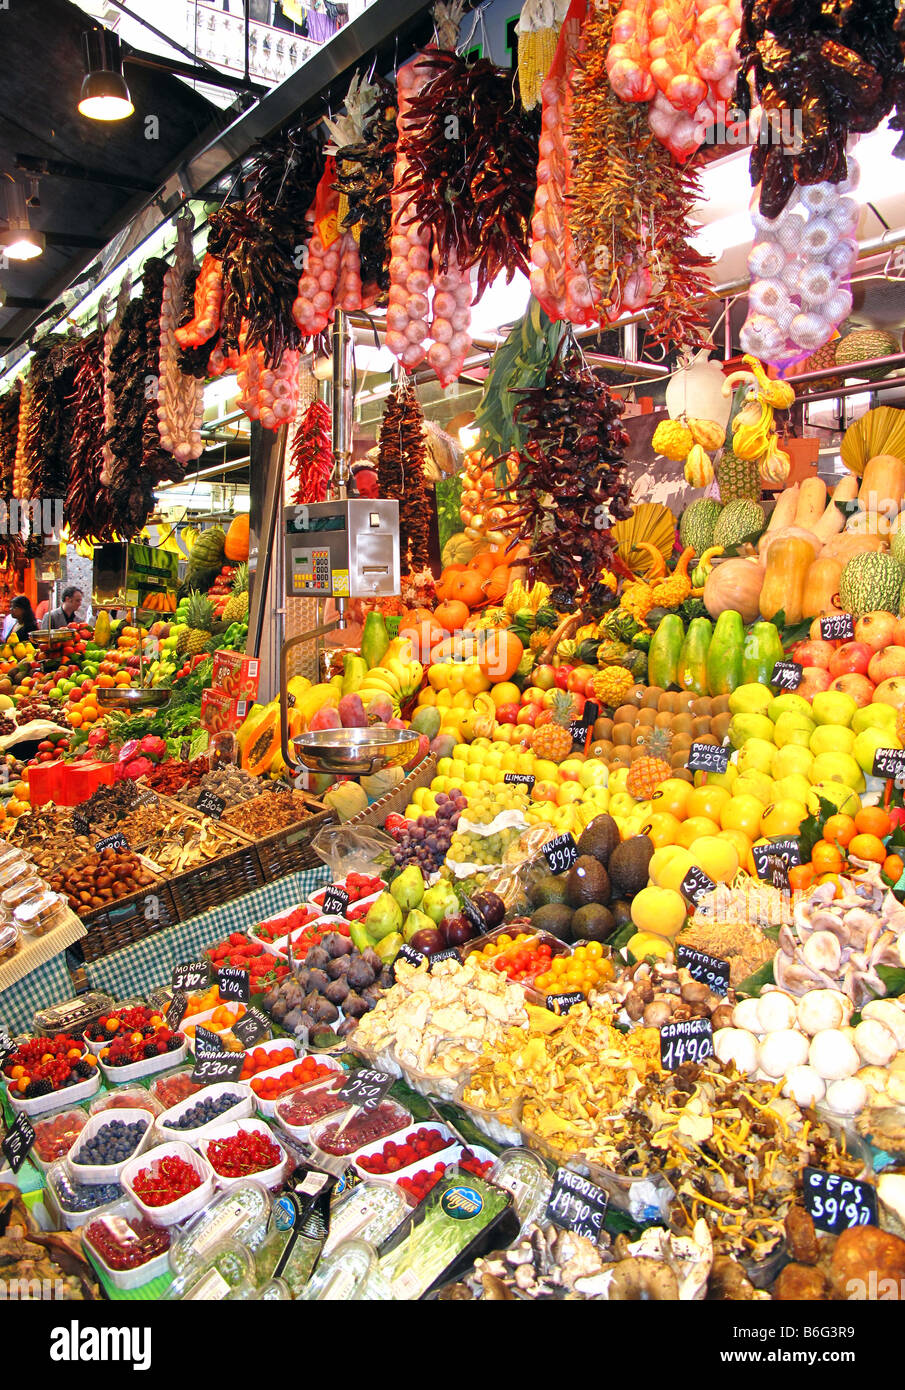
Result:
220,712
236,674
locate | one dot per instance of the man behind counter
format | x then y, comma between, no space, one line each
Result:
65,614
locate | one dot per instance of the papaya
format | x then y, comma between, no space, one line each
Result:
296,688
374,638
724,655
102,629
760,653
664,652
691,672
355,668
258,738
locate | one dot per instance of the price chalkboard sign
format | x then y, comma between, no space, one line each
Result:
232,982
224,1066
116,841
711,971
707,757
520,779
18,1141
208,1044
787,675
210,805
889,762
560,853
336,900
366,1088
562,1003
6,1044
408,953
147,798
691,1041
837,1203
579,727
251,1028
190,974
80,822
838,627
449,954
576,1204
771,866
176,1012
696,885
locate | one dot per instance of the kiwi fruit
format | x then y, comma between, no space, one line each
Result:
647,718
681,742
622,735
668,702
625,714
603,728
651,697
683,724
664,720
637,696
701,725
702,706
719,725
719,704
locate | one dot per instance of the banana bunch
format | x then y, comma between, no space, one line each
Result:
397,679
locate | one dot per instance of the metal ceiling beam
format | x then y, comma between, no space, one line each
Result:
74,239
212,76
38,168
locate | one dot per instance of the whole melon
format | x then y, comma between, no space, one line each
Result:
862,345
871,583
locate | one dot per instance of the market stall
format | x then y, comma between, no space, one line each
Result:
474,866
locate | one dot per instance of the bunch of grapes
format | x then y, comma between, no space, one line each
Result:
426,840
469,847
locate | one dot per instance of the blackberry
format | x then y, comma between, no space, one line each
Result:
37,1088
174,1043
83,1069
150,1050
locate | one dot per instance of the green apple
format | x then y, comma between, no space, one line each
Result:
831,738
750,699
621,804
593,773
837,767
756,784
877,716
743,727
793,758
793,728
833,707
867,743
837,794
725,779
757,755
792,788
788,704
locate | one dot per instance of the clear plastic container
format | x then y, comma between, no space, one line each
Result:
298,1111
183,1207
125,1098
226,1268
126,1248
371,1212
500,1126
37,916
341,1277
73,1016
12,869
173,1087
525,1175
267,1107
71,1203
10,855
359,1163
55,1136
9,941
27,889
336,1140
241,1215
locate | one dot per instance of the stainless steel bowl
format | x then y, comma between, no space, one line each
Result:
57,636
132,697
355,752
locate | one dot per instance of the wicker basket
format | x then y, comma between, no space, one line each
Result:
289,851
395,802
217,881
128,920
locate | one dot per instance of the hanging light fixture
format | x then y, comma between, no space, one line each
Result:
18,242
105,95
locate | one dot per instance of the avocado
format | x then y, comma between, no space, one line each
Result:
587,882
622,912
555,918
628,865
547,888
594,922
600,838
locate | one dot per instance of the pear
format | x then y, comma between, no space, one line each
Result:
417,921
439,902
384,916
407,888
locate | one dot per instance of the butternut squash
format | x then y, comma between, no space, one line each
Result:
883,484
788,561
821,587
850,543
833,520
783,513
767,541
811,502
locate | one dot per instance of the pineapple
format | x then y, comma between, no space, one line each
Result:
646,774
739,479
236,610
554,740
200,617
612,686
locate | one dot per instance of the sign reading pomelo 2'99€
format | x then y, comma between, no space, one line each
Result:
707,757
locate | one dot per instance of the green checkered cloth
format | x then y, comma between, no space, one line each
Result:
50,983
147,964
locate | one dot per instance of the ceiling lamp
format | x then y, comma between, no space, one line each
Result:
18,242
105,95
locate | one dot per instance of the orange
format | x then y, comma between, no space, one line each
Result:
832,878
867,847
826,858
662,828
741,841
672,797
744,813
839,830
873,820
693,828
75,718
707,801
893,866
801,876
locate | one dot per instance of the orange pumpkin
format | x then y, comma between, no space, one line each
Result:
412,616
497,585
499,654
236,545
444,583
467,587
484,563
452,615
423,636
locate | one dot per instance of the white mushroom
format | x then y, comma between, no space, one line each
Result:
736,1046
875,1043
823,1008
822,951
832,1055
889,1013
745,1015
775,1011
804,1086
847,1097
782,1051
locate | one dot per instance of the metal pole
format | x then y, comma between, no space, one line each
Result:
266,474
342,404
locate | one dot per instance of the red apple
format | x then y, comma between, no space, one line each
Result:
815,678
527,714
578,681
812,653
561,676
852,658
533,695
886,663
855,684
507,714
878,630
544,677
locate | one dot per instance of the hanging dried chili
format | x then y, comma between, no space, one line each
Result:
311,457
88,507
9,434
400,473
